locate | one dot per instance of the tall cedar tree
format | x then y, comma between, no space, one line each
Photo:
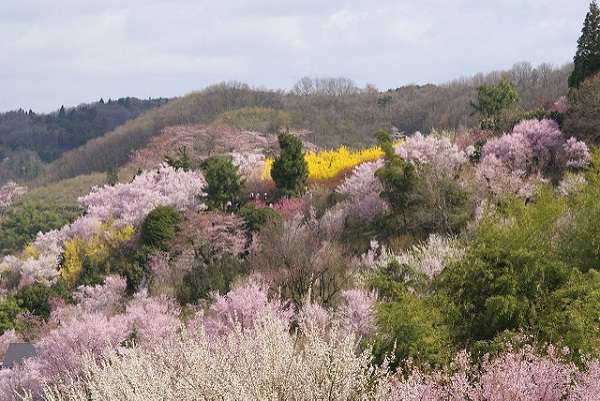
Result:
290,171
587,58
223,182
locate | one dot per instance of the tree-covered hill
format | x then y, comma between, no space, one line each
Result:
28,139
334,111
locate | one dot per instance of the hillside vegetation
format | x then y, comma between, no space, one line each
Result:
334,114
28,140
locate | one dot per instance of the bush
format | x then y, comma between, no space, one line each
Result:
36,298
290,170
409,325
209,275
9,311
160,226
22,222
223,182
255,218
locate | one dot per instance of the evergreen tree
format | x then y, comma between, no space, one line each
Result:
397,177
587,58
62,113
290,171
112,176
223,182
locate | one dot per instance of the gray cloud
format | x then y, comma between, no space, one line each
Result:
73,51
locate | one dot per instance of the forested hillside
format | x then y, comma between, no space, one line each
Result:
335,112
28,140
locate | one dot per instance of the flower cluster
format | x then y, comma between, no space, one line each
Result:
512,163
130,203
428,258
122,206
329,164
536,146
362,189
436,151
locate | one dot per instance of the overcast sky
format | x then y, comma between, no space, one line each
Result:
55,52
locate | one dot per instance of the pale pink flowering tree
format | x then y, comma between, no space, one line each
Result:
576,153
436,151
242,305
356,312
151,319
362,189
103,297
494,178
587,383
537,146
523,375
130,203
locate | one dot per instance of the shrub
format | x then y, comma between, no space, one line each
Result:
160,226
9,311
255,218
290,170
223,182
209,275
36,298
22,222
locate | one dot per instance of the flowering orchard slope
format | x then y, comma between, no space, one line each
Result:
122,206
376,289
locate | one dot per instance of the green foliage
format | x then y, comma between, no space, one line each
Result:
255,218
290,171
9,311
35,298
409,325
495,100
580,239
582,120
112,176
160,226
569,315
521,275
210,273
397,177
223,182
22,222
587,58
182,161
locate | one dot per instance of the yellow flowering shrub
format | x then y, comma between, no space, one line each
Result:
97,249
327,164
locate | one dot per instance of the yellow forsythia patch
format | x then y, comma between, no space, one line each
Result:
328,164
97,249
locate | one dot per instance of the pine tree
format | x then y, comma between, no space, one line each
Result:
587,58
290,170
